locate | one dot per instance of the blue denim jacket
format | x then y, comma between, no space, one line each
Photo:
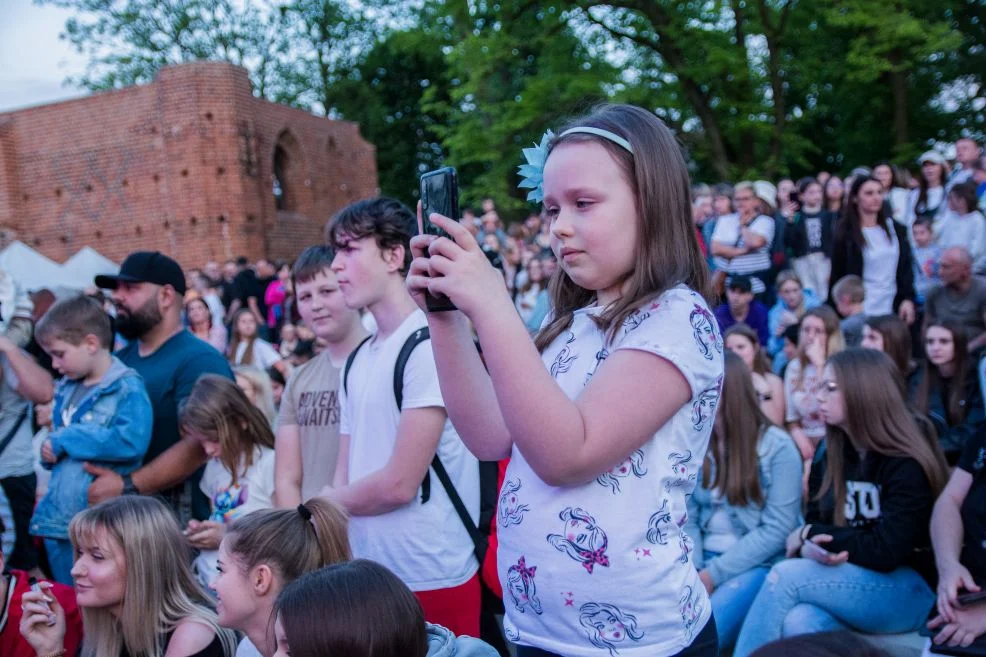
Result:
763,529
110,426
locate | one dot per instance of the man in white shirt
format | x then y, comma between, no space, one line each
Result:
967,152
401,515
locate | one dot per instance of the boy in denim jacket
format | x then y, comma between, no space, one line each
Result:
101,414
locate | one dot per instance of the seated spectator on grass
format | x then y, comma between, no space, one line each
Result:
866,529
748,501
960,299
792,304
948,391
889,334
742,308
849,295
742,341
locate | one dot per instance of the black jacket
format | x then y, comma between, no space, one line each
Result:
847,258
953,437
888,510
796,234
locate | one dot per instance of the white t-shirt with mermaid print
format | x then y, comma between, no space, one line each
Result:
604,569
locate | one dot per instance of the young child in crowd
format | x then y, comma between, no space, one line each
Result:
607,414
246,347
926,257
361,609
965,225
13,585
239,477
849,295
289,340
101,414
265,551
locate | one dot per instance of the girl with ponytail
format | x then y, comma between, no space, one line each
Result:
265,551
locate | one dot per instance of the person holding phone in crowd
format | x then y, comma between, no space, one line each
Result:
606,414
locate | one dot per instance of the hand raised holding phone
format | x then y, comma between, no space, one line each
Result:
448,261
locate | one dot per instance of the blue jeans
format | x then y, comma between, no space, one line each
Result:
61,558
732,600
801,596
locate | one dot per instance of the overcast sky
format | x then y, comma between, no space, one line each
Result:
33,61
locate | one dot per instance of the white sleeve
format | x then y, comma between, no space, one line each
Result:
421,389
793,370
265,354
722,233
764,226
679,328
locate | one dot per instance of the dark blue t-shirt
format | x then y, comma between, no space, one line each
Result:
169,374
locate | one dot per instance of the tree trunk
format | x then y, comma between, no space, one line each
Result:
898,86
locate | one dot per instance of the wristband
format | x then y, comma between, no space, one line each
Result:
128,486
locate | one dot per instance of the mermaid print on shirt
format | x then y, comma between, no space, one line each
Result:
632,465
563,361
679,470
510,511
691,607
520,585
655,532
606,626
583,540
705,332
704,408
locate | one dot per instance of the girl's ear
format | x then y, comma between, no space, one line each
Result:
262,580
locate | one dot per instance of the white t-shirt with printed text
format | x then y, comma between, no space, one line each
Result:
423,544
603,569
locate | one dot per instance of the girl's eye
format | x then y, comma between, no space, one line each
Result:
582,204
551,212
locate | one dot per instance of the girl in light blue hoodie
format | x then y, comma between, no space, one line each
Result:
748,501
361,609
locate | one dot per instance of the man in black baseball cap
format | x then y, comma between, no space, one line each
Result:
742,308
148,294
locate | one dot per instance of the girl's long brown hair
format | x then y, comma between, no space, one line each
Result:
877,420
735,435
667,251
234,344
896,340
218,410
931,378
760,365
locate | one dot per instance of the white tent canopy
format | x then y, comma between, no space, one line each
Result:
33,271
86,264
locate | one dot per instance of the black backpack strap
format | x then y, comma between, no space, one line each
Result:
410,344
349,364
479,541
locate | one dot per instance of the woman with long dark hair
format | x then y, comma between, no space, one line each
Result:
769,388
929,200
949,389
871,245
889,334
748,501
866,553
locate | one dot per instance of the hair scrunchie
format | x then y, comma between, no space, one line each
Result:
305,512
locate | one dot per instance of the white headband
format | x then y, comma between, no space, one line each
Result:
599,132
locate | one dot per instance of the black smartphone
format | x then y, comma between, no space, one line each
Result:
439,194
970,598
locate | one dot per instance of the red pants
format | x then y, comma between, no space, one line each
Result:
456,609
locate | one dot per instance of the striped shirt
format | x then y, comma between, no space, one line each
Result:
727,232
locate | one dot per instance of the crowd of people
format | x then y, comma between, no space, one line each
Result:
665,419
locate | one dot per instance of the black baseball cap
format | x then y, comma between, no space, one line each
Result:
740,283
146,267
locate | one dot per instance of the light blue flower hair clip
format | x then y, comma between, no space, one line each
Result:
532,173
